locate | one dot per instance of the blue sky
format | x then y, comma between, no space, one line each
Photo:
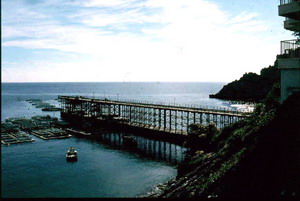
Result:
138,40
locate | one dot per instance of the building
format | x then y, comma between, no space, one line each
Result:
289,58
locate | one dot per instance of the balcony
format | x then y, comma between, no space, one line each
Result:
290,55
290,9
282,2
292,25
290,49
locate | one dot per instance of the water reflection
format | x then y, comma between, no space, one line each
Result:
145,147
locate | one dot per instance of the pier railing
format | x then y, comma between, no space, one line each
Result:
173,105
166,118
290,48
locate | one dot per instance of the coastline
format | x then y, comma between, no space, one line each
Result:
245,163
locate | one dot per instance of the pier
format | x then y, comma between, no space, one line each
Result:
171,119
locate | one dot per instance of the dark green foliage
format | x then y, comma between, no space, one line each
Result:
257,157
272,99
250,87
297,34
271,166
200,137
226,132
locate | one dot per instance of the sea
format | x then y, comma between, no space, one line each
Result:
104,169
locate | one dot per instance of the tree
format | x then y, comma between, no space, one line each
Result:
297,34
200,137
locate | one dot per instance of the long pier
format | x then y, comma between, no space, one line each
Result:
165,118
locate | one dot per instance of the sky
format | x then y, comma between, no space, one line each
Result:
138,40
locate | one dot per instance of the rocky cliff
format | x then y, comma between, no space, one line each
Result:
251,86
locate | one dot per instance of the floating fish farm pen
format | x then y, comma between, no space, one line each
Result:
51,133
11,134
47,107
17,130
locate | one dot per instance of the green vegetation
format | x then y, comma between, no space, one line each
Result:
256,157
297,34
200,136
250,87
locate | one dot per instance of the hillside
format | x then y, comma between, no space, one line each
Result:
257,157
251,86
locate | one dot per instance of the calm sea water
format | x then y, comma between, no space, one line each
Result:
14,94
39,169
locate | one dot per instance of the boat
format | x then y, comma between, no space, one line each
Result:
71,154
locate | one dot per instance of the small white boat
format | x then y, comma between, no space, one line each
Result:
71,154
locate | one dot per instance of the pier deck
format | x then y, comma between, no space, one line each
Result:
166,118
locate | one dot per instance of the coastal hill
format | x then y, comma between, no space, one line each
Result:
251,86
256,157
